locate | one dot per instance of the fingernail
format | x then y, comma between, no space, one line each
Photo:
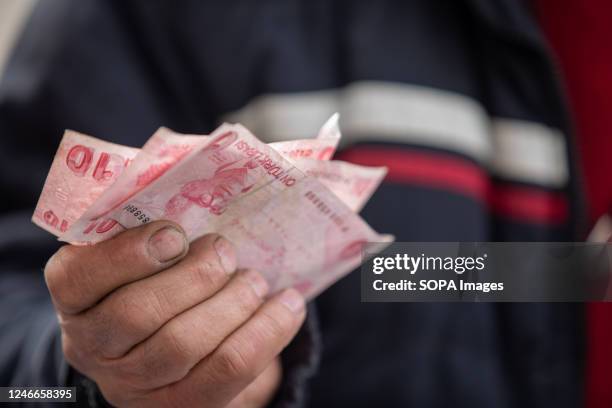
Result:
167,243
258,283
293,300
226,253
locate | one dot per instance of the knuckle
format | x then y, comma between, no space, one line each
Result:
67,300
137,373
217,249
55,270
140,370
116,253
176,340
247,299
206,274
157,303
232,362
134,316
61,274
150,366
123,249
273,324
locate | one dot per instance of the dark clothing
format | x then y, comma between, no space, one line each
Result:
120,69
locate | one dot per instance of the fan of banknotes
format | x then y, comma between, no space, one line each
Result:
290,210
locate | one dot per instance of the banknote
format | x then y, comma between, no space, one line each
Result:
166,148
85,167
291,211
322,147
303,237
82,169
351,183
286,224
159,154
245,165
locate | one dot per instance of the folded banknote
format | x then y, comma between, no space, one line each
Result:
290,210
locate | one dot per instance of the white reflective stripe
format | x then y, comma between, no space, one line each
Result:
395,112
271,116
414,114
531,152
13,15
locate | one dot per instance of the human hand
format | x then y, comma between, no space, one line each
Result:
155,321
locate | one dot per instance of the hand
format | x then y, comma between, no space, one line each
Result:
155,322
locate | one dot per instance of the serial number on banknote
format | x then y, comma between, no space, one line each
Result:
137,213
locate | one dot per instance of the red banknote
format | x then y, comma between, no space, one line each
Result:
291,211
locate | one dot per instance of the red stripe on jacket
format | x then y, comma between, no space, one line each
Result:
454,174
